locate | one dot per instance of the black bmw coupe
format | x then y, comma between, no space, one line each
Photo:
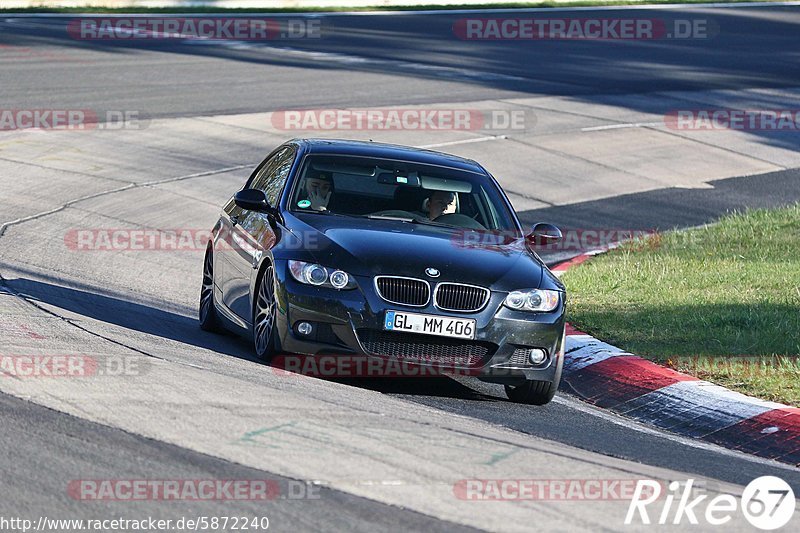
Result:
392,252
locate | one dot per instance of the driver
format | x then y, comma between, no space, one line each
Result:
440,203
318,188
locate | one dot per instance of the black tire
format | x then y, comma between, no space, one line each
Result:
532,392
264,313
207,313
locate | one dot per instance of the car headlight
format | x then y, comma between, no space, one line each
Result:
541,300
314,274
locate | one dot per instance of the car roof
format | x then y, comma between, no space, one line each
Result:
388,151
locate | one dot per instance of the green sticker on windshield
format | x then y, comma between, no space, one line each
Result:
304,203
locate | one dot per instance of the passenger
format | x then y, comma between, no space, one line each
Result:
440,203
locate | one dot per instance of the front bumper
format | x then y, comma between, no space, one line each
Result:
351,323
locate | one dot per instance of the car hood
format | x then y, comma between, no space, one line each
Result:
366,247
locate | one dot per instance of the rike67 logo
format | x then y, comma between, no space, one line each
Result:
767,503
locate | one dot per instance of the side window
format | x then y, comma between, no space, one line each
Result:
272,176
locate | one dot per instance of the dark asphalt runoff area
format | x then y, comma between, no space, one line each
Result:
45,449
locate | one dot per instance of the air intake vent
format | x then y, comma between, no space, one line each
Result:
520,357
426,349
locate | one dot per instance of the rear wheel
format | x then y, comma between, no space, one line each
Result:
264,335
208,311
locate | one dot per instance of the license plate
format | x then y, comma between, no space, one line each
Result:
445,326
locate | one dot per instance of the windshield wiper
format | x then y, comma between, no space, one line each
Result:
414,220
325,212
389,217
432,223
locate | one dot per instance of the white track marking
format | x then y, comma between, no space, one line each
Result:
732,404
579,405
585,350
465,141
623,126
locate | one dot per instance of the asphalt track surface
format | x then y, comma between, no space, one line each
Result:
144,304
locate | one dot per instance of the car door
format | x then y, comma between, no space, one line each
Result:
252,233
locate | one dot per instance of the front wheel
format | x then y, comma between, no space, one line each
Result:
532,392
264,335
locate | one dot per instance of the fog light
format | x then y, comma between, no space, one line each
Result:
536,356
304,328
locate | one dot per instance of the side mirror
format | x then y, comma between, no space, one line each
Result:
252,200
543,234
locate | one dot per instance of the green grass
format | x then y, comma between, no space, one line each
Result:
88,8
697,299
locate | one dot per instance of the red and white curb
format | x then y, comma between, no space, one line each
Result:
609,377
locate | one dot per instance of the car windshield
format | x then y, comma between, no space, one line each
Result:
400,190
